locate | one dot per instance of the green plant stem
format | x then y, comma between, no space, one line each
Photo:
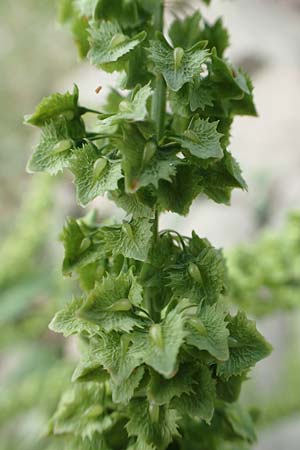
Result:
159,97
158,116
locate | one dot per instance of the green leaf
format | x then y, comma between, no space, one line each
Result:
241,422
55,149
128,14
131,145
132,110
234,170
214,336
199,405
56,106
186,32
110,304
132,204
160,167
138,445
86,7
109,45
68,322
246,347
81,412
148,431
135,244
216,35
79,28
201,277
178,66
159,347
201,94
123,392
228,82
80,249
111,352
161,390
229,390
65,11
89,183
202,139
179,195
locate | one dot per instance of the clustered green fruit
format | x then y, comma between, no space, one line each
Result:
163,359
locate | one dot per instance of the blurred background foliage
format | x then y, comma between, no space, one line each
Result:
35,365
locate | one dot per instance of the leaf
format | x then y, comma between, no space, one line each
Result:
221,178
229,390
159,168
214,337
186,32
178,195
109,305
161,353
135,244
81,412
228,82
161,390
134,109
177,70
68,322
234,170
80,249
216,35
47,156
123,392
132,204
109,45
150,432
86,7
200,277
138,445
241,422
202,139
56,106
111,352
213,271
201,94
247,347
199,405
128,14
131,145
89,183
79,28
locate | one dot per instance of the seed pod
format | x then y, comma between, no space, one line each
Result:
99,166
117,39
85,244
125,106
178,56
156,335
94,411
121,305
198,325
195,273
191,135
125,341
149,151
62,146
69,115
154,412
232,342
127,229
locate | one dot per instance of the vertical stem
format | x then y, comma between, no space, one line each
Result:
159,97
158,116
